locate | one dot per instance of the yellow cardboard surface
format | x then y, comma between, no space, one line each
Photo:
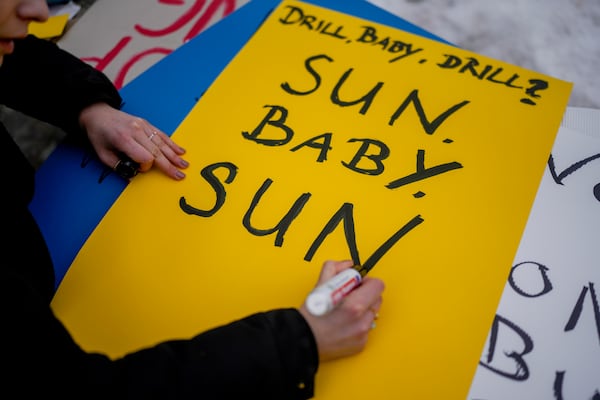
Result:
53,27
332,137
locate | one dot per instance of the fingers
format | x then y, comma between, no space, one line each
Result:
118,136
151,147
164,154
361,309
367,295
331,268
364,302
344,331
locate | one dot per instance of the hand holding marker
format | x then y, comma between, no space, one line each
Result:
329,294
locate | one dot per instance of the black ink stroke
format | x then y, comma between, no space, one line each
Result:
521,371
576,313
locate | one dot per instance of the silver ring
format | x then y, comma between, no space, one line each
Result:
152,135
373,325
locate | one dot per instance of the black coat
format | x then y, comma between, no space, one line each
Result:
268,355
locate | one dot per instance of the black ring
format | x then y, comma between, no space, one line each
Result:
126,167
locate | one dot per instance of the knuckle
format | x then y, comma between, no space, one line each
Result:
363,329
376,285
355,310
136,123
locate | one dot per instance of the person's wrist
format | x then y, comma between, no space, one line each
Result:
89,111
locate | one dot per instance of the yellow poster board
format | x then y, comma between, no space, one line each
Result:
332,137
53,27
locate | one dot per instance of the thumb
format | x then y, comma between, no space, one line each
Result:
332,268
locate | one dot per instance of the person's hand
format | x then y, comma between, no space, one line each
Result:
345,329
113,131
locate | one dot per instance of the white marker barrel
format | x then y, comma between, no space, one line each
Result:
326,296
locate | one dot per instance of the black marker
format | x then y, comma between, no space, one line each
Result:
125,167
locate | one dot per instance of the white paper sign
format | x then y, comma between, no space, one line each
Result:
545,341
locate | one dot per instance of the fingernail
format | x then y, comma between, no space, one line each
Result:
179,175
184,163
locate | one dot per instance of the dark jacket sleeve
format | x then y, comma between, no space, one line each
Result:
50,84
269,355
